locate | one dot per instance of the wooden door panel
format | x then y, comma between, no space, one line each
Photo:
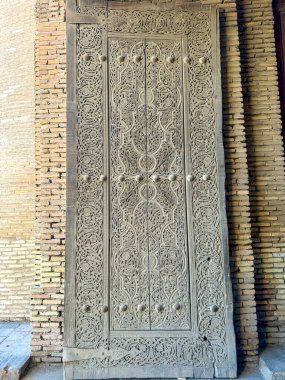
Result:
149,258
167,223
129,285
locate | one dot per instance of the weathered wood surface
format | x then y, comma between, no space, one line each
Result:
148,286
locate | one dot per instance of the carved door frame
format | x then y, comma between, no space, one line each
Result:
209,355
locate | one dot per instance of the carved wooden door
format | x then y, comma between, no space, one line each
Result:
148,291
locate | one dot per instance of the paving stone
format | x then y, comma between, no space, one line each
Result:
24,327
5,332
15,351
272,363
14,365
10,325
44,372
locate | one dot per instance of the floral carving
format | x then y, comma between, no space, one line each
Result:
166,257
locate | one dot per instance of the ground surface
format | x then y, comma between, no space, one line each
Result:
15,345
45,372
14,336
14,349
55,372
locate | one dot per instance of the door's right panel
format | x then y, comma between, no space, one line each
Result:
167,222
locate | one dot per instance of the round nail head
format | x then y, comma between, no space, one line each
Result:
121,58
137,58
190,177
186,60
86,308
170,59
206,177
172,177
155,177
214,308
141,307
176,306
86,57
123,308
102,178
105,309
159,308
139,178
86,177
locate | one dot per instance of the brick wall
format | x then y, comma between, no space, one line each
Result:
266,165
17,163
237,186
47,298
247,206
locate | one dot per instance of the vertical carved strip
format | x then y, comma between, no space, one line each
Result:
129,250
90,202
206,213
167,230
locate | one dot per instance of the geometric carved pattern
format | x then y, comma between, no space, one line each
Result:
165,233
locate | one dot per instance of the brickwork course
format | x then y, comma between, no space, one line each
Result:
17,157
255,183
265,165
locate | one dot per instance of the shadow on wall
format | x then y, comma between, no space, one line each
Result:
240,247
265,164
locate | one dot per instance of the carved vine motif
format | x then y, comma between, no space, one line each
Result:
156,351
164,22
90,140
168,251
205,199
149,255
129,248
131,136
